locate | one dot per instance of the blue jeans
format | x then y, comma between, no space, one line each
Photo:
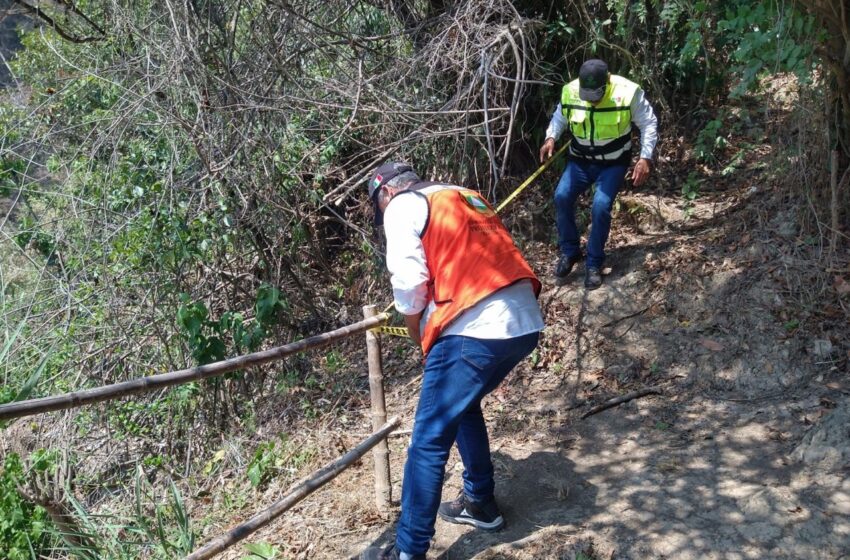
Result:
577,178
459,372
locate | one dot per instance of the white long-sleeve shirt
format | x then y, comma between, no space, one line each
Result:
510,312
643,117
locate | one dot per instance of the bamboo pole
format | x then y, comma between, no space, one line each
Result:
381,452
301,491
154,382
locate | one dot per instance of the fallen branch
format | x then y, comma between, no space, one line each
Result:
610,403
629,316
316,481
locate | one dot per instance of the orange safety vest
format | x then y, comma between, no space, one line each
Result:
470,255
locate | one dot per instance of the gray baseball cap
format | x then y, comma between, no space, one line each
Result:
592,80
383,175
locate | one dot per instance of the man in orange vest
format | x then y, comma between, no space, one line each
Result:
469,299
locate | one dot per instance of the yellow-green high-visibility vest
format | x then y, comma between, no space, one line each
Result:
604,129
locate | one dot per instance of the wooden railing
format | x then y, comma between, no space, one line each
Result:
154,382
376,442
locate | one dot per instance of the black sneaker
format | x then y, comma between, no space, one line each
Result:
592,278
565,265
388,553
484,516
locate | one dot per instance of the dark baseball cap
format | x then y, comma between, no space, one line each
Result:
592,80
383,175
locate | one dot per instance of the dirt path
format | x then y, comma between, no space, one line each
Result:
714,484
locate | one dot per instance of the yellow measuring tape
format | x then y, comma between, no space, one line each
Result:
394,331
402,331
533,176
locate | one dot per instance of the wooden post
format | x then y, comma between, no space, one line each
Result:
381,452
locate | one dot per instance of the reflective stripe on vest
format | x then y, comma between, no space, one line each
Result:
470,255
602,131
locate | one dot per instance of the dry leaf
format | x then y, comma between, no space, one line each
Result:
841,286
712,345
832,311
827,403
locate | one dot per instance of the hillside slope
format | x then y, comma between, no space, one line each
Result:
714,302
744,454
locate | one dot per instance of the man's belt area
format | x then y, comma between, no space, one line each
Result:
591,151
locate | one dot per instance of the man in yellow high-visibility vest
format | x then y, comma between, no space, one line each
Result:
598,109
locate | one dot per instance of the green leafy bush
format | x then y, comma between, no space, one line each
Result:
271,458
710,140
206,337
23,526
260,551
768,37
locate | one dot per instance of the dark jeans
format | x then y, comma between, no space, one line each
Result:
577,178
459,372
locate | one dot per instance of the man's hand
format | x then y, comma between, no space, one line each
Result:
640,173
547,149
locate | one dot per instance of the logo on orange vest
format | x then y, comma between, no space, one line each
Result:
478,204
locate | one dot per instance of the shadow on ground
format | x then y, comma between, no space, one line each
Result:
533,491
